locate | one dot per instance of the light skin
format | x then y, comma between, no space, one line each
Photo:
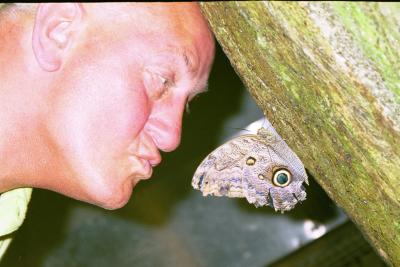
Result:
90,93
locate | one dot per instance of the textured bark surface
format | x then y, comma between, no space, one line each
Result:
327,76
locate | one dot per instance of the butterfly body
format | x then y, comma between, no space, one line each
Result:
259,167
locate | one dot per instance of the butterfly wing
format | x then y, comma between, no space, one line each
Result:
221,173
245,167
285,198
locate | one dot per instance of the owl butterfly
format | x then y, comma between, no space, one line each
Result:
260,167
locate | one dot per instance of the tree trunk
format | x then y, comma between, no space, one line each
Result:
327,76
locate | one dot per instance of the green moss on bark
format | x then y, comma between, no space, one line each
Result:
317,69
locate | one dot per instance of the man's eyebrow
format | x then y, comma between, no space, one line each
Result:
189,60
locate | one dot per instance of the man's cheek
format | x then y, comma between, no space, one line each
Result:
118,120
110,135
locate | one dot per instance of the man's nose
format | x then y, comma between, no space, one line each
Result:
171,138
166,128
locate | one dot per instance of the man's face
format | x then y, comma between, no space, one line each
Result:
120,96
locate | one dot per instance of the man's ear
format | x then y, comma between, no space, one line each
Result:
56,26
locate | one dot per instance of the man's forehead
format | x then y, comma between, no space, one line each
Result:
180,17
188,56
182,33
160,8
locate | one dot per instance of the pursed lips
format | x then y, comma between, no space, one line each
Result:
142,167
144,155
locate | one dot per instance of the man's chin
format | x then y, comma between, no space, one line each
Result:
146,174
111,197
105,193
113,205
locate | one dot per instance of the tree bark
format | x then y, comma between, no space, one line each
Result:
327,76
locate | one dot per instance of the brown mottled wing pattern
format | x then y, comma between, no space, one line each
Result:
260,167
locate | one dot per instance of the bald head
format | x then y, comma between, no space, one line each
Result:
92,92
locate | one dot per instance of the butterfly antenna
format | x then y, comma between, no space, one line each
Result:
241,129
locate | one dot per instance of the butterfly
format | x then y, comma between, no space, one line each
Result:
259,167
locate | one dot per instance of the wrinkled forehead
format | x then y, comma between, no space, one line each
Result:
185,28
182,19
169,27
